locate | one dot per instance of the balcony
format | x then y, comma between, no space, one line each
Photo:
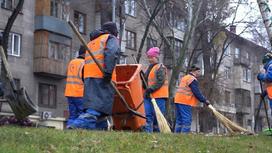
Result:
225,108
49,68
240,108
241,61
51,54
52,24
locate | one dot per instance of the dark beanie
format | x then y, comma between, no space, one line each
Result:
193,68
110,27
81,50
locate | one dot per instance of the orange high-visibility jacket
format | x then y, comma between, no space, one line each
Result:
74,84
269,90
184,94
163,91
96,46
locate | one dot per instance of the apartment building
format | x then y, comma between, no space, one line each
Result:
41,44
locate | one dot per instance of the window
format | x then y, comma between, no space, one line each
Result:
9,4
177,46
227,97
227,51
130,40
14,44
227,72
58,51
246,55
54,8
130,7
123,60
246,74
237,53
80,21
47,95
150,43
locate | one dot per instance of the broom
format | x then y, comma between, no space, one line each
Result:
162,122
231,126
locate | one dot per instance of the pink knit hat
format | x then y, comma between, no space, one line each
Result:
153,52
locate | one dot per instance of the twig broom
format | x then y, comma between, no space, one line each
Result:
231,126
162,122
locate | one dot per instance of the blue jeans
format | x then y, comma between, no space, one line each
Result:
89,120
75,106
183,118
151,121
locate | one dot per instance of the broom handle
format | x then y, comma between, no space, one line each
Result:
257,115
102,70
265,108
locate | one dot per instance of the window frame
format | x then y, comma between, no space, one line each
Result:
58,45
227,72
237,55
13,4
10,51
40,103
247,74
133,41
84,21
130,8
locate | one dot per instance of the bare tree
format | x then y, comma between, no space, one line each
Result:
266,15
9,24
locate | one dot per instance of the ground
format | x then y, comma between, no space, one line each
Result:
38,140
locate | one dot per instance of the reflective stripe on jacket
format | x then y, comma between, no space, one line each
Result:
162,92
184,94
74,84
96,46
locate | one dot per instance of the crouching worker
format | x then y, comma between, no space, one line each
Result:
156,74
186,97
75,86
98,91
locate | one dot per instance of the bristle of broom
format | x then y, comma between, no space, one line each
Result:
162,122
231,126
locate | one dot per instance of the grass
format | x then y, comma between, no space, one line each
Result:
39,140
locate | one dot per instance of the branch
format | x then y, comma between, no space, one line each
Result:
8,27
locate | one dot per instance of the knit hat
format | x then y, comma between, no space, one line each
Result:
110,27
153,52
193,68
81,50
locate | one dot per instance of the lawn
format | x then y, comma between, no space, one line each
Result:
38,140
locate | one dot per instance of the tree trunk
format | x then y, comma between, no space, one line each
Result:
155,12
8,27
266,15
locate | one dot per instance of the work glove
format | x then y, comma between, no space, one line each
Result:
107,77
261,76
148,91
207,103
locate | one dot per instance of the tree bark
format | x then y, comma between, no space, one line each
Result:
266,15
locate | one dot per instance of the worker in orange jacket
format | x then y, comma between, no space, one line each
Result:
74,86
156,74
98,91
186,97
